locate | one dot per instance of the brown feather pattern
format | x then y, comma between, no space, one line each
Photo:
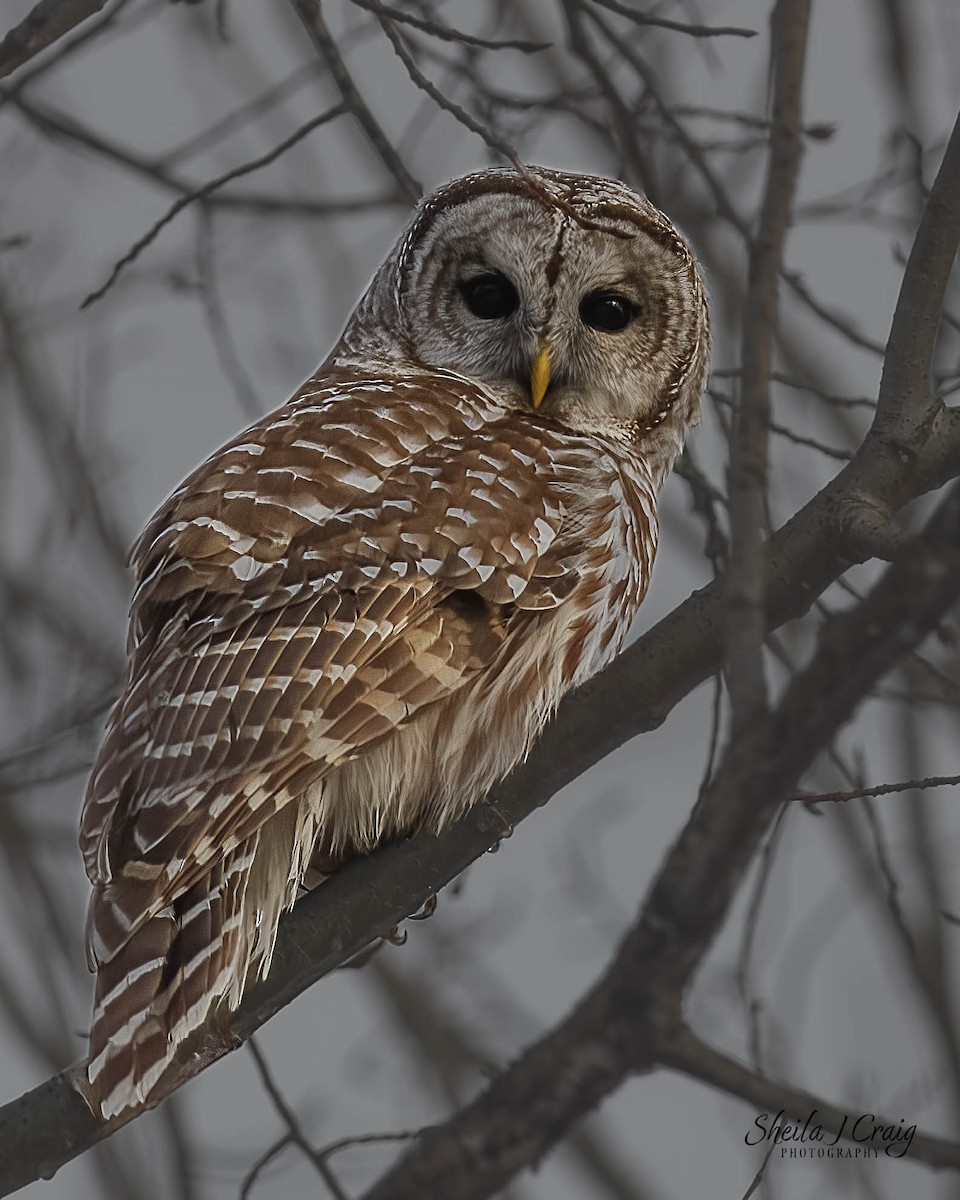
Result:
347,624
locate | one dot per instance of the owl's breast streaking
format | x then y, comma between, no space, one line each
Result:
562,626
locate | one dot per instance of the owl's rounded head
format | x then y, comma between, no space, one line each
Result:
568,295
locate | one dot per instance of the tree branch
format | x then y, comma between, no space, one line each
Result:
446,33
881,789
631,1018
696,31
41,27
748,467
700,1061
417,77
295,1134
906,396
311,16
207,189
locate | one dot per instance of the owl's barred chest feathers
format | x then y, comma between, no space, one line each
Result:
429,773
530,632
357,615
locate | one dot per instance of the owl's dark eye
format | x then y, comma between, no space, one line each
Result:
490,297
607,311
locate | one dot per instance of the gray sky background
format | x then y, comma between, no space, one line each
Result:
533,924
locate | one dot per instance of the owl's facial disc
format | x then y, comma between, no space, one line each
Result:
589,312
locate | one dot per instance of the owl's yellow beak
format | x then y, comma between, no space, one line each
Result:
540,375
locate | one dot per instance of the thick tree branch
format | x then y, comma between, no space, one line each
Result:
631,1018
41,27
445,32
457,1057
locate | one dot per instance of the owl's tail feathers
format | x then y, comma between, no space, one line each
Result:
161,984
158,985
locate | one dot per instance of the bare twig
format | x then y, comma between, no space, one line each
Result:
445,32
697,31
260,1165
748,939
881,789
295,1134
443,102
865,402
66,50
706,499
836,320
624,121
56,438
442,1042
241,116
758,1179
58,126
309,12
699,160
223,340
208,189
790,435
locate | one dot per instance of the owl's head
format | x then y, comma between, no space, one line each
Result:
567,295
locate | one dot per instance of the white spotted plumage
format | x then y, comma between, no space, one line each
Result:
356,616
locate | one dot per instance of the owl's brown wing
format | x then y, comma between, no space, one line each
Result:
301,596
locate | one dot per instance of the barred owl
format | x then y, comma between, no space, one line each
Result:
357,615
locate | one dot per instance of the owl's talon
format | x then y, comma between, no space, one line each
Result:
504,828
426,910
396,936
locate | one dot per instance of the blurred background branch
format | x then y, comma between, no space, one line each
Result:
834,968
